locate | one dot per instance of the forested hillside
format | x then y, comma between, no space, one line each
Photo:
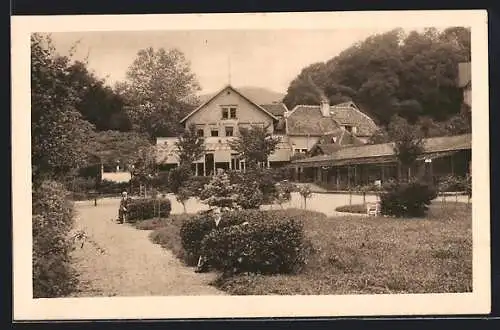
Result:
412,75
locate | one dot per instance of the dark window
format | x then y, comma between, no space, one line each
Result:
199,132
233,113
225,113
229,131
348,128
214,132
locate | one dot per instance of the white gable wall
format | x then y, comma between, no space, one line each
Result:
210,115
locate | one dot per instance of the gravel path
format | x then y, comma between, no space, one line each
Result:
130,264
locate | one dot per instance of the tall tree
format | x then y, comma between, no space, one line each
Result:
159,90
254,145
99,103
59,135
191,146
408,143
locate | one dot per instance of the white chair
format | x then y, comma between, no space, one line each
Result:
373,208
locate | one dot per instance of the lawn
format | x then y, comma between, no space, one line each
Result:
364,255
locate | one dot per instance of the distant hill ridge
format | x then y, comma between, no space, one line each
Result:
258,95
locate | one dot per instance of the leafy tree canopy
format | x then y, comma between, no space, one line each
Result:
411,75
254,144
159,90
59,135
191,146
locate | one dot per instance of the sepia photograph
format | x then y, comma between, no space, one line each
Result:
241,165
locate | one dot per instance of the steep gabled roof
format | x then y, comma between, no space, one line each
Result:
219,93
348,114
308,120
277,109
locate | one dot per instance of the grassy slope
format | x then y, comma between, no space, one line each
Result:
364,255
378,255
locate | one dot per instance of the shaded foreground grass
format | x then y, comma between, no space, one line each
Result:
363,255
353,208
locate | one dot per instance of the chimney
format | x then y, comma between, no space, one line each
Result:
325,107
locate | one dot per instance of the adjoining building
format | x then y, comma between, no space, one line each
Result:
339,125
219,119
358,165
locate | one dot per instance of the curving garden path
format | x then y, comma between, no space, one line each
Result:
129,264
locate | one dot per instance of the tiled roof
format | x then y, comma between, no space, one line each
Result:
464,74
431,145
307,119
277,109
348,114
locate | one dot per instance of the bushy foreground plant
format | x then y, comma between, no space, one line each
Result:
268,247
52,222
274,238
148,208
407,199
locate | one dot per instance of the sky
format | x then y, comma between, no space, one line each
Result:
260,58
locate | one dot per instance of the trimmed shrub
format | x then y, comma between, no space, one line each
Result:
52,222
267,247
148,208
407,199
249,195
220,192
197,183
111,187
353,208
192,232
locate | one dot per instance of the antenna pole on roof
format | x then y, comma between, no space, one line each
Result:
229,69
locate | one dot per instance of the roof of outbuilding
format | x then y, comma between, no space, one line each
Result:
386,150
277,109
308,120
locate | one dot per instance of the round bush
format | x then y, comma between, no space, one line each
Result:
266,247
407,199
148,208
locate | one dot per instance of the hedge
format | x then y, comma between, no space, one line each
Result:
52,221
265,247
275,237
406,199
148,208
